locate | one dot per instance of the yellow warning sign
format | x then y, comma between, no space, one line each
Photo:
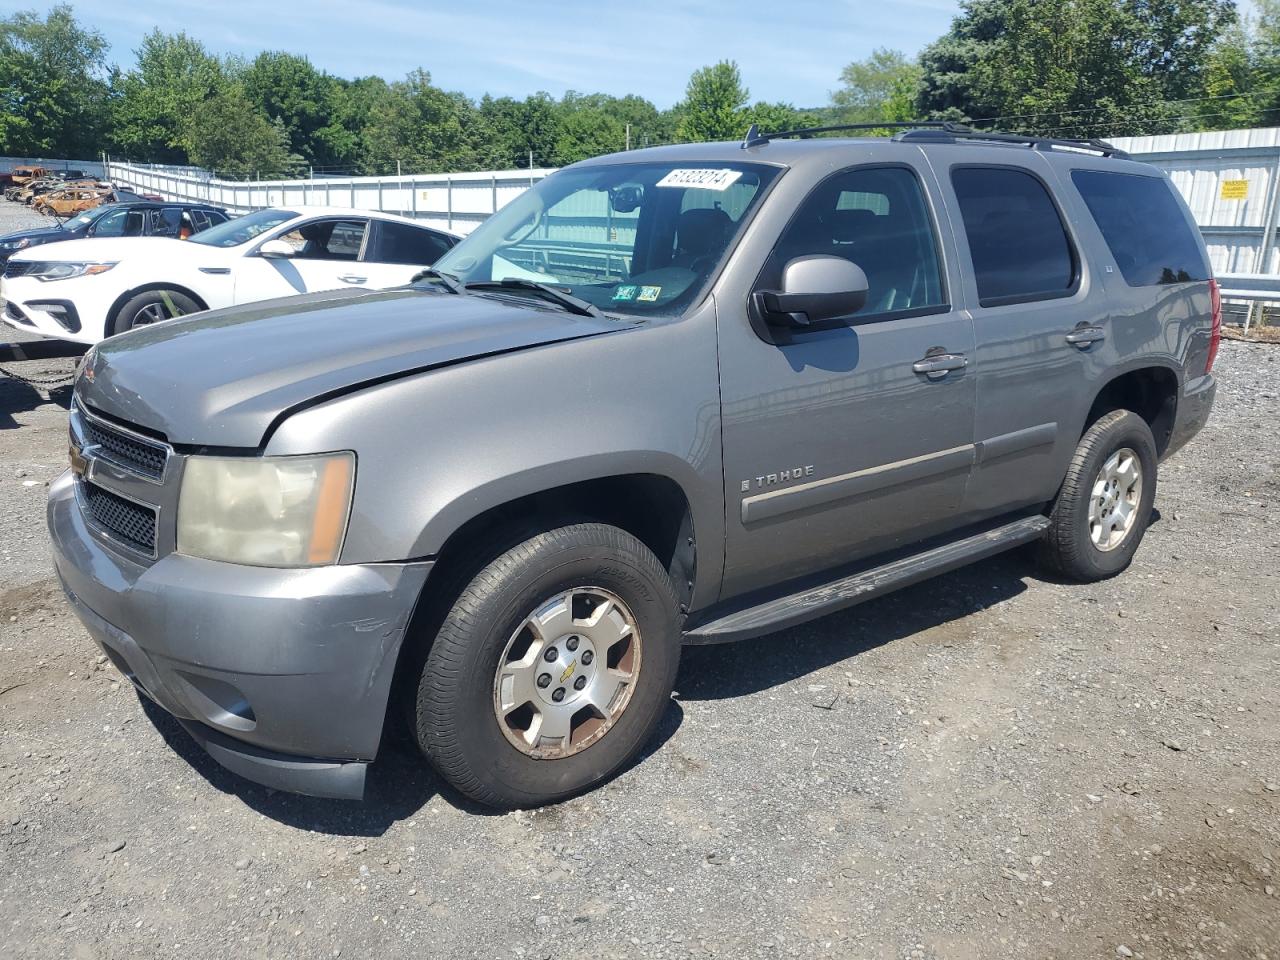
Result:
1235,189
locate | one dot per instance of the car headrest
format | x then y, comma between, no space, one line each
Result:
702,231
849,226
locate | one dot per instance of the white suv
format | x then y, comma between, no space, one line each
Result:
90,289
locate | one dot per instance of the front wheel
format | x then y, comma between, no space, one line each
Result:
152,306
552,669
1103,508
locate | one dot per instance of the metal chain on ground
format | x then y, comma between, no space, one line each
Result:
38,381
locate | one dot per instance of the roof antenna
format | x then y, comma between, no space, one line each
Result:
754,138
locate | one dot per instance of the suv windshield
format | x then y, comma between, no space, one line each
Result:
242,229
639,238
89,216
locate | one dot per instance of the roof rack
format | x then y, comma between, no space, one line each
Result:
959,131
942,131
755,138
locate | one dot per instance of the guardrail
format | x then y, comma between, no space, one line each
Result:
1252,288
456,202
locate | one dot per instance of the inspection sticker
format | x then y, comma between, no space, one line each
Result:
627,291
702,179
649,294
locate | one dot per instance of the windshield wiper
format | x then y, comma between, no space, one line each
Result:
553,294
446,280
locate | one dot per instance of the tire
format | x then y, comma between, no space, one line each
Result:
462,714
169,302
1077,544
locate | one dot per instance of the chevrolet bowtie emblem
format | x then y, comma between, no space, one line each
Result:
79,465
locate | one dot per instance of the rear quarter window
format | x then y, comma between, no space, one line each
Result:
1145,227
407,244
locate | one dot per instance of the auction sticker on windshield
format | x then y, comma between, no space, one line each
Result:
703,179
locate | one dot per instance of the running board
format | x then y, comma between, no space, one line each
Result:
846,592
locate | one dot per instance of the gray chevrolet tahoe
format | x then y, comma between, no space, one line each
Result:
689,394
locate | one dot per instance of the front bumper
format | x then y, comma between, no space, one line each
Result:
55,310
283,676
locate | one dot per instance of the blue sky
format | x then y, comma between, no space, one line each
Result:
792,50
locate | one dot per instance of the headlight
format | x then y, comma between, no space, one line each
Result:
55,270
16,244
266,511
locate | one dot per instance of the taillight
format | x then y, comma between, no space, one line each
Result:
1215,332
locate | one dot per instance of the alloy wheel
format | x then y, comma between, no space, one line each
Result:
568,672
1115,499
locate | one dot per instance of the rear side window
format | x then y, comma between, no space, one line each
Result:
1144,226
166,222
1019,246
403,243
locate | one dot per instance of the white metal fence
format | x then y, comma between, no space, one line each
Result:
457,202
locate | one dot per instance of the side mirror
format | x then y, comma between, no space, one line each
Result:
814,289
276,249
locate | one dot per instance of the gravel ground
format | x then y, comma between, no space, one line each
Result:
991,764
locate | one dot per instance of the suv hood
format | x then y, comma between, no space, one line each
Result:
224,377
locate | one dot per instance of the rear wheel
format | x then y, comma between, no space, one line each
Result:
152,306
1103,508
552,669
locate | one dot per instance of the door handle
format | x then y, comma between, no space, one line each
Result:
938,365
1086,334
350,278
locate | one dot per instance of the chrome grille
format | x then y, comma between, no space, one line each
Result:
140,456
129,522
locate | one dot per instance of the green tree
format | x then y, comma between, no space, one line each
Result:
714,105
427,129
587,127
1074,67
779,117
53,85
507,131
591,124
289,89
1247,63
174,80
880,87
351,105
233,136
1236,86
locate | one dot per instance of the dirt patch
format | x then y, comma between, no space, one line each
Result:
1267,334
